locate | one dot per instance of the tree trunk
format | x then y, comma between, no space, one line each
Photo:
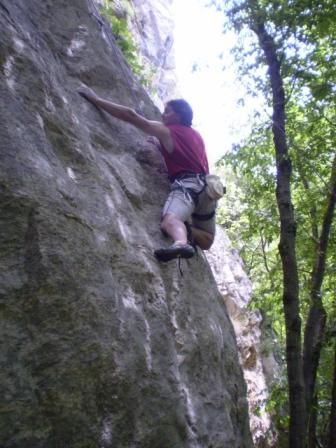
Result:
314,330
312,422
297,425
332,423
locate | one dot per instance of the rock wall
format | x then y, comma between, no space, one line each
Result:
151,23
104,347
260,368
153,28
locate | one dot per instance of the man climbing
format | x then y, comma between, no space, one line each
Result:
184,153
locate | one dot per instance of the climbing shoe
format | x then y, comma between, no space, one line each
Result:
177,250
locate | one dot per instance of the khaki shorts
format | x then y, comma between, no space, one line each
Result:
188,197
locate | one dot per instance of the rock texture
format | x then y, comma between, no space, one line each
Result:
103,346
259,364
151,24
153,28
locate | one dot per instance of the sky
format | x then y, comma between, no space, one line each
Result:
213,89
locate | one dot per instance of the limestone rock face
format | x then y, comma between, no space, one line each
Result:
103,346
151,23
259,365
153,29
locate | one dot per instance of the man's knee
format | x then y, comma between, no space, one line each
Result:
202,238
167,220
207,242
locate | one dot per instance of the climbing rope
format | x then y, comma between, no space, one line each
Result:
106,29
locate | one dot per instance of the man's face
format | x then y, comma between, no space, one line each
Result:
169,116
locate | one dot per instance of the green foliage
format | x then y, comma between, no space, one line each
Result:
277,406
325,382
127,45
305,35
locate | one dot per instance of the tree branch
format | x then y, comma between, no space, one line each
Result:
315,325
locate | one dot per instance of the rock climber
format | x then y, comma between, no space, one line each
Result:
188,215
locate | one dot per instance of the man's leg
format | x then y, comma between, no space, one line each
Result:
203,226
202,238
174,228
180,248
177,209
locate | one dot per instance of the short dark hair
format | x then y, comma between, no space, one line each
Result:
183,110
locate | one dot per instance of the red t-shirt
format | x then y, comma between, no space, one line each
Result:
188,153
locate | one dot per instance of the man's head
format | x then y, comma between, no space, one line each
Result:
177,112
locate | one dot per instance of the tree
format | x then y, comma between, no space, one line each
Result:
296,41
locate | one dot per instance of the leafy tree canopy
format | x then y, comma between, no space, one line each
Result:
304,33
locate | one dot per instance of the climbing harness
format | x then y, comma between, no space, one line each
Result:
204,217
192,194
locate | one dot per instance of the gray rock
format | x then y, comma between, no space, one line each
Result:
255,341
151,24
103,346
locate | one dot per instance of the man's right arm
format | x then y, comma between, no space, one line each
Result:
129,115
